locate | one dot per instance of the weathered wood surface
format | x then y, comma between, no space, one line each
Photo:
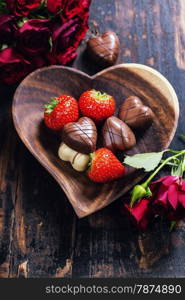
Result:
40,236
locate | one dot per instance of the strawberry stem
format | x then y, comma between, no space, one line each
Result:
100,96
91,158
51,105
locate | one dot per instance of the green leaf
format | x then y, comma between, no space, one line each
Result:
179,169
146,161
2,47
21,22
3,8
182,136
172,225
51,43
148,192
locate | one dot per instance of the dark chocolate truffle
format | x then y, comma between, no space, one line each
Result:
104,49
135,114
80,136
117,135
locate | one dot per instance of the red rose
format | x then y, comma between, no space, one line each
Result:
74,8
65,39
64,35
77,10
33,37
54,6
7,29
67,56
13,67
169,197
64,58
69,8
140,214
67,36
22,7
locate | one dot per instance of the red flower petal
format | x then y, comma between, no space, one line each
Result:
162,195
54,6
33,37
139,213
168,180
169,197
182,182
13,66
22,7
173,195
181,198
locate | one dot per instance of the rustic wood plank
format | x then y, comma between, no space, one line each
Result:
44,224
37,223
151,32
40,235
9,147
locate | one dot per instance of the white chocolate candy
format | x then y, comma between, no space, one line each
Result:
66,153
78,160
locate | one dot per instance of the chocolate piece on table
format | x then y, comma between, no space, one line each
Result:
117,135
80,136
135,114
104,49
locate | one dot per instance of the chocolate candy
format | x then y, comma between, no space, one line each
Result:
117,135
135,114
104,49
80,136
79,161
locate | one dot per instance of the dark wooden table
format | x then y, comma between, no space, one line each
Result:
40,236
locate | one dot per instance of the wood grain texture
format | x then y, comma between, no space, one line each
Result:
104,244
120,81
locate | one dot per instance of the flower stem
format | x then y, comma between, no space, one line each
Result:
146,183
174,151
170,163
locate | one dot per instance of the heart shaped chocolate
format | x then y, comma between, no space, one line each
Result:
28,106
117,135
135,114
80,136
104,49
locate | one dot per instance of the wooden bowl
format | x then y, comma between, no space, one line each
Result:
119,81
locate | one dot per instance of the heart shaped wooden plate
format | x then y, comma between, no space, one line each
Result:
119,81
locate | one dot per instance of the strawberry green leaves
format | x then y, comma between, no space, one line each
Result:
51,105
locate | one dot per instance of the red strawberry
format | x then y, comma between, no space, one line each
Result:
60,111
105,166
96,105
